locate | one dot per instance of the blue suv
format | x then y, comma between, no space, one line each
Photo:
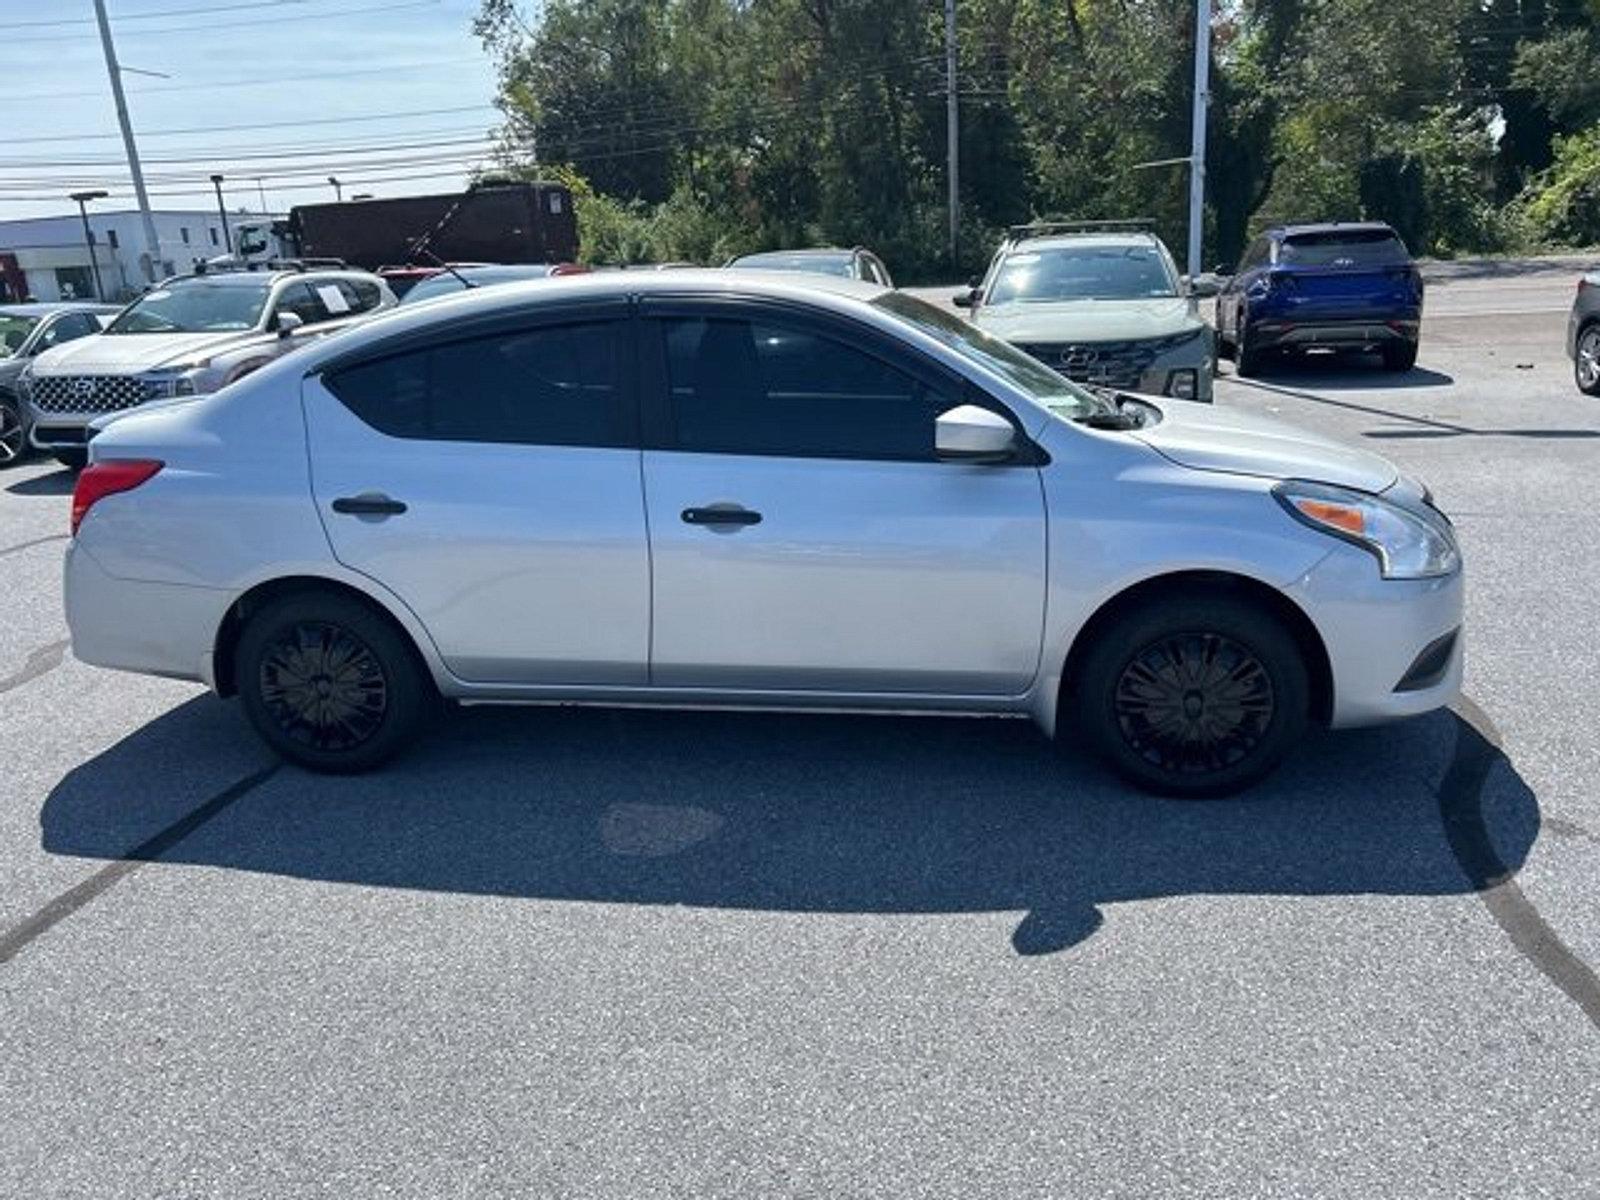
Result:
1333,286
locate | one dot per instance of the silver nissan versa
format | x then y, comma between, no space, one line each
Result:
734,488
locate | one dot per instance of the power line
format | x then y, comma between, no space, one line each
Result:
168,12
232,25
150,133
257,81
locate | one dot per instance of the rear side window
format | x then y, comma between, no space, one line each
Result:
1369,248
362,295
757,387
555,386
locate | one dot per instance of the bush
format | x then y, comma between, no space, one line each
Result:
1562,205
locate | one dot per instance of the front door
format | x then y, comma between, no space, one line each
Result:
803,535
492,483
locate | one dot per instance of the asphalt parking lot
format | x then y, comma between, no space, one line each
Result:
623,953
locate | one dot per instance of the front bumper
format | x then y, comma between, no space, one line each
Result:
1389,641
1178,369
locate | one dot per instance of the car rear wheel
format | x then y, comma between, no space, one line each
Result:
329,684
13,441
1193,697
1400,356
1586,363
1246,358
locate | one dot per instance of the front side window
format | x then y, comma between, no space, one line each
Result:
303,301
739,386
553,386
14,331
68,328
1088,272
195,306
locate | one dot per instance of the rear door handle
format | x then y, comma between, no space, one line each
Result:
719,514
369,504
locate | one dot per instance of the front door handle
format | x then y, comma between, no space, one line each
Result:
721,514
369,504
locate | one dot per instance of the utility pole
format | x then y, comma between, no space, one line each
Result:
1197,144
952,138
152,246
222,211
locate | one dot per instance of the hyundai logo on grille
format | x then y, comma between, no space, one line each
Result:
83,388
1078,357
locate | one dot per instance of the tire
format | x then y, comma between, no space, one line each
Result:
1400,357
1586,362
285,682
13,438
74,460
1133,677
1246,358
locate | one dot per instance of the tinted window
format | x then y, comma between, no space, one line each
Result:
557,386
359,294
1087,272
196,305
303,302
1373,247
743,387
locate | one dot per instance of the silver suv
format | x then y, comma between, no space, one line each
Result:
1101,303
188,335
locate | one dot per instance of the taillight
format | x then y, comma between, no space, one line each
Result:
102,479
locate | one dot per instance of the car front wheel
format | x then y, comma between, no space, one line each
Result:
1401,356
13,440
1586,363
1193,698
330,684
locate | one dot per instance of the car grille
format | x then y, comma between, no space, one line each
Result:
87,393
1113,364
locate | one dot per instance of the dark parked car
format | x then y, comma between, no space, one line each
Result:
1338,286
1583,335
27,330
846,264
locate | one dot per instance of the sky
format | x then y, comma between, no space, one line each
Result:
391,98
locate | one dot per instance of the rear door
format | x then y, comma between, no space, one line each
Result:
492,483
803,535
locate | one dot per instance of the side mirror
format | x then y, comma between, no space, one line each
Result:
286,323
972,434
966,299
1201,286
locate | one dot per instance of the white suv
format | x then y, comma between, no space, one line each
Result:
713,488
188,335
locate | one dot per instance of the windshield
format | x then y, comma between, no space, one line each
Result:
1373,247
195,306
444,282
811,264
1057,393
14,330
1083,273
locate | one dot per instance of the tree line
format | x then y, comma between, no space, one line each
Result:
697,129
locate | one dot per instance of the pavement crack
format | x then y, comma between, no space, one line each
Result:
43,541
1477,750
45,658
85,892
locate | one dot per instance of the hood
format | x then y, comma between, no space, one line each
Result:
120,353
1222,439
1089,320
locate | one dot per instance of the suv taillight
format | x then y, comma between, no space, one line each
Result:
102,479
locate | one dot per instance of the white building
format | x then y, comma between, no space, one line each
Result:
46,258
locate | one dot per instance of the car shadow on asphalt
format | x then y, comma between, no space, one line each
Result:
56,483
1344,373
809,813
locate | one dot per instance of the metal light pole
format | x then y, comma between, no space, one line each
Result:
952,139
152,246
1197,143
222,211
338,189
83,199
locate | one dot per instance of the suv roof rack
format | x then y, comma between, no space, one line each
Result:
221,266
1048,228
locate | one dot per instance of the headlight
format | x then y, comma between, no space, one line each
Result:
1184,384
164,382
1409,543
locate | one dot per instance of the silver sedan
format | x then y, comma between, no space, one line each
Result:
728,488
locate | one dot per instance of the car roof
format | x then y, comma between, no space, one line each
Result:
43,308
808,252
243,278
1056,241
1299,230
